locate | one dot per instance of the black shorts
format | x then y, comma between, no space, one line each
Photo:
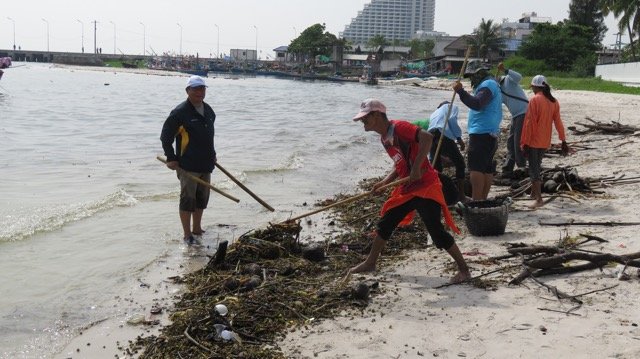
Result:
480,154
431,215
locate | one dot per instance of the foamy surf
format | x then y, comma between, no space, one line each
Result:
24,223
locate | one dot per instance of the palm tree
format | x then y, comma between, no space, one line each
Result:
377,40
627,12
486,38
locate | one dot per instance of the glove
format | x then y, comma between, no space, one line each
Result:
564,148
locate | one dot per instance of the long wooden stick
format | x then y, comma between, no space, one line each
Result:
231,177
349,200
205,183
453,98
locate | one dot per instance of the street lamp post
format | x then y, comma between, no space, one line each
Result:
14,32
295,32
256,42
114,37
218,50
144,30
180,26
47,22
82,36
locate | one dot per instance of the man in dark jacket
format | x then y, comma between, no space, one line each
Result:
190,125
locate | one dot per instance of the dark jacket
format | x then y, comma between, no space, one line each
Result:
193,135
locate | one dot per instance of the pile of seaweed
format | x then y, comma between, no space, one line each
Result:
267,283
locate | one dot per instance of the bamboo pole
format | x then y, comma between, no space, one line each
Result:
349,200
205,183
231,177
453,98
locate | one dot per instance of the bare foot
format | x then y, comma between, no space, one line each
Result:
363,267
536,204
460,277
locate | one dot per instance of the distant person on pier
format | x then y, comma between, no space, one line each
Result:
543,112
516,101
485,114
408,146
191,126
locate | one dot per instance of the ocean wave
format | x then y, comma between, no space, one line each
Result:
293,162
24,223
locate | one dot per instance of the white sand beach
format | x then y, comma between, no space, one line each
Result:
413,319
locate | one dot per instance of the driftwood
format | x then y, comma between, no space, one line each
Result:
611,128
552,260
604,258
572,222
220,255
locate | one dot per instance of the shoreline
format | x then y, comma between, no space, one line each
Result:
486,322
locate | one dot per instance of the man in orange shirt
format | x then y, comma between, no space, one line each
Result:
543,111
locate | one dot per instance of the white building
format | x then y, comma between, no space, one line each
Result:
523,28
393,19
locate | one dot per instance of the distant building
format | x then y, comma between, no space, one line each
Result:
393,19
282,54
523,28
243,55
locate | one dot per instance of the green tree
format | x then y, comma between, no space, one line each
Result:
486,38
377,40
627,12
589,13
421,48
314,41
560,46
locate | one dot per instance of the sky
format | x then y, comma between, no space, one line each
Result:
207,27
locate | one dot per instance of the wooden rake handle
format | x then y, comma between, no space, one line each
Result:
349,200
231,177
205,183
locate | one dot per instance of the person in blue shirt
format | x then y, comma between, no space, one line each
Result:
449,149
516,101
485,115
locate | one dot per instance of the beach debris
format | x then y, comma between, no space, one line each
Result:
360,291
563,182
221,309
611,128
136,319
269,287
156,310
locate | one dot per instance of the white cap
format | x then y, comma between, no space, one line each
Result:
369,105
195,81
538,81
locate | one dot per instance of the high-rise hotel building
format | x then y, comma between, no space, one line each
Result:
393,19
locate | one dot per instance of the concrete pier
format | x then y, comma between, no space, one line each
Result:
71,58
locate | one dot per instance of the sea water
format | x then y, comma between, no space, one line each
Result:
85,205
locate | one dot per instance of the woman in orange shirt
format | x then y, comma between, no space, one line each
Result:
543,111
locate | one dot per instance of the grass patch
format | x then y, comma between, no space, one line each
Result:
586,84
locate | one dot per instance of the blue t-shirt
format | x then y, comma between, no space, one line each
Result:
487,120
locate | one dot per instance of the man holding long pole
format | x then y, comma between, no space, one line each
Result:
408,146
190,125
485,115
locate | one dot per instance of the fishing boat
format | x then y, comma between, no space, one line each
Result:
202,73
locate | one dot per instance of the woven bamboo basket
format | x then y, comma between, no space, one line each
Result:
486,218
